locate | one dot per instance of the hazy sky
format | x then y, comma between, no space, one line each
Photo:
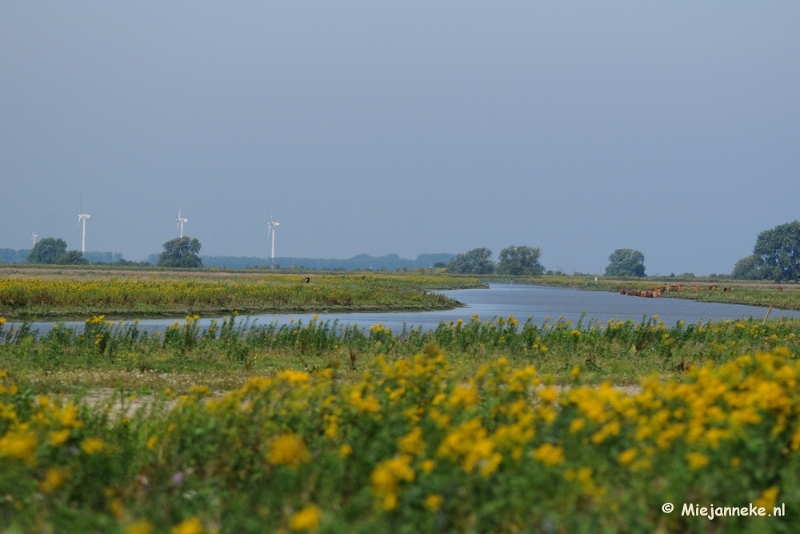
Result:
406,127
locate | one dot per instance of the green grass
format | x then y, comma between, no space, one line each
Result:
226,354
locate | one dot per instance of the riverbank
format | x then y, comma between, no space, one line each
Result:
65,294
748,293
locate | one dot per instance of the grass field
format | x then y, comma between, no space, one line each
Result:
410,445
69,293
748,293
489,425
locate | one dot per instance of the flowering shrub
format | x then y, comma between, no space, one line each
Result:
411,445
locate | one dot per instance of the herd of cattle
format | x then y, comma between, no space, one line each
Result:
655,293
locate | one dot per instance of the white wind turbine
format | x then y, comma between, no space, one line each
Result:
33,237
271,232
181,220
82,219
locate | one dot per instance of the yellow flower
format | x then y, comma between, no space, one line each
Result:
427,466
294,377
59,437
92,445
767,498
386,478
433,502
151,443
188,526
412,442
627,456
549,394
19,444
308,518
53,479
288,449
549,454
696,460
140,526
345,450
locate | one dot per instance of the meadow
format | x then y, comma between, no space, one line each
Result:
781,296
69,293
411,445
485,425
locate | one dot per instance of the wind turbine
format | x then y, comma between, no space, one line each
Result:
271,231
82,219
181,220
33,237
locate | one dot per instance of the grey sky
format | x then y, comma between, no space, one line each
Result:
408,127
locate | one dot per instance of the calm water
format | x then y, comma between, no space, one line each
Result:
537,302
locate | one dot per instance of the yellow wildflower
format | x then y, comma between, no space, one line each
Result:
549,454
140,526
697,460
188,526
288,449
53,479
92,445
308,518
627,456
433,502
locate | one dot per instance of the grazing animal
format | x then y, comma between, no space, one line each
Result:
712,287
308,280
780,288
727,289
695,288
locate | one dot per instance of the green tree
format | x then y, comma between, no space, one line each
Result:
778,252
748,268
625,262
181,252
476,261
520,260
72,257
47,250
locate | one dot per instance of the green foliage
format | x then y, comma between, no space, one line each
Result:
476,261
72,257
625,262
520,261
181,252
748,268
47,250
409,445
54,251
778,252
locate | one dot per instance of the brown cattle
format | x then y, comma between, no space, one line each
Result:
622,291
712,287
780,288
727,289
695,288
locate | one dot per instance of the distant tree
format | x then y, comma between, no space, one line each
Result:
476,261
520,260
72,257
439,265
625,262
181,252
47,250
778,252
748,268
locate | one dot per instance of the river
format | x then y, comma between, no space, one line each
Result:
540,303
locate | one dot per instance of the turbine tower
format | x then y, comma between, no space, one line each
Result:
33,237
181,220
82,219
271,232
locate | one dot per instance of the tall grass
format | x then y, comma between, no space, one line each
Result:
21,297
